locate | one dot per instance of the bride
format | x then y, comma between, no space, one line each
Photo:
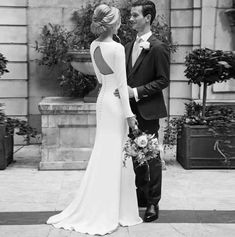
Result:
107,194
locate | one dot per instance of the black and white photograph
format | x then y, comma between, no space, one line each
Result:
117,118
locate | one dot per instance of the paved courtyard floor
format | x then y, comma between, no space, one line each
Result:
195,203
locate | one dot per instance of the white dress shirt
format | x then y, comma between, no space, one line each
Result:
144,38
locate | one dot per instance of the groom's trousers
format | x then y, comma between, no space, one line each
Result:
148,191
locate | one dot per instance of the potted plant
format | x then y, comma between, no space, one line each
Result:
205,134
8,126
4,139
54,47
60,46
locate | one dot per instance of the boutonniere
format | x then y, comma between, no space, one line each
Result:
145,45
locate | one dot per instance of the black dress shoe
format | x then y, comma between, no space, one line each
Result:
151,213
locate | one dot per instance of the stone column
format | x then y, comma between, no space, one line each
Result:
68,133
185,22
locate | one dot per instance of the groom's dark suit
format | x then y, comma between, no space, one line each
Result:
149,75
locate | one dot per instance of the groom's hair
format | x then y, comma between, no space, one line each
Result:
148,7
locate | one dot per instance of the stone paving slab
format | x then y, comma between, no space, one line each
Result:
28,189
179,230
196,203
25,231
142,230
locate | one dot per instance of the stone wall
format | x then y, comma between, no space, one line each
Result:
13,45
185,21
216,34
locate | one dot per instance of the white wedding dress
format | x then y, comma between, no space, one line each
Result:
107,194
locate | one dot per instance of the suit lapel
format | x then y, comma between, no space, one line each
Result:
128,56
151,39
131,70
140,58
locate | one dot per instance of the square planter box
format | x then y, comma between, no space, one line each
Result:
195,149
6,148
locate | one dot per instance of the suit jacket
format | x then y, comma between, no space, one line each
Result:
150,75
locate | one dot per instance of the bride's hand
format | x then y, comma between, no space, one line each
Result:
132,122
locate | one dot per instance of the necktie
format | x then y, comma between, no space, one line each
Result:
136,50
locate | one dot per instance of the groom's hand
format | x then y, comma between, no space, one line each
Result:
130,92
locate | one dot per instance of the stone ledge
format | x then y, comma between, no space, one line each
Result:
65,105
68,133
75,165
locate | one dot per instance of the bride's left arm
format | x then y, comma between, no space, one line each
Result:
120,72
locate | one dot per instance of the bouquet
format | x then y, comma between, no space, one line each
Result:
142,148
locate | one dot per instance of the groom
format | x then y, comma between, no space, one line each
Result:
148,66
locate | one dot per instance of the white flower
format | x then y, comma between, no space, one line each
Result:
225,64
145,45
160,147
141,141
187,120
155,141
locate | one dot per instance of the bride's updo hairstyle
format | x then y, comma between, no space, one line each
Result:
104,18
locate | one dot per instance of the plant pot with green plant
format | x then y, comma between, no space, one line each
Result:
205,135
8,127
6,140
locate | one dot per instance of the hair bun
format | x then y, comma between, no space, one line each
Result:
98,16
97,28
103,18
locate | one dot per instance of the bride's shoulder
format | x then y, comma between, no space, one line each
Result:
93,43
118,45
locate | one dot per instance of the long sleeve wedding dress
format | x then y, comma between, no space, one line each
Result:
107,195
